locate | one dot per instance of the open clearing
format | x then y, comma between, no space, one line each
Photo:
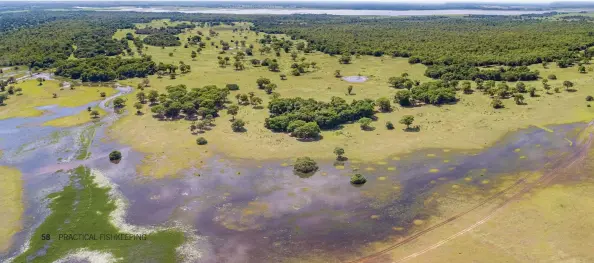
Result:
470,124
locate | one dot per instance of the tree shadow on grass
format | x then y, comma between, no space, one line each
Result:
416,128
571,90
310,139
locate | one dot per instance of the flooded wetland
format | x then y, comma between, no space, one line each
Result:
196,167
242,210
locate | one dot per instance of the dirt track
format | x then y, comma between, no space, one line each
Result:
557,170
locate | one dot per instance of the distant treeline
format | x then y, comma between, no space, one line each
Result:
452,47
473,41
468,72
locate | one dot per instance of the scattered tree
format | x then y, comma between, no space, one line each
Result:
233,110
407,120
567,84
496,103
365,123
339,153
238,125
519,99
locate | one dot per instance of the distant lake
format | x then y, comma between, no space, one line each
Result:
281,11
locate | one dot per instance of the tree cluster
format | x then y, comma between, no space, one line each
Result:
305,117
103,68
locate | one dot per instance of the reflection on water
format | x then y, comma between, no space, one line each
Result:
262,212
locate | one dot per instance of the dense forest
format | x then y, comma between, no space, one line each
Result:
435,40
452,48
103,68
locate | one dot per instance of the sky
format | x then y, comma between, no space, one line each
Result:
334,1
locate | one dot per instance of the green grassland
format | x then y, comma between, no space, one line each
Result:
74,120
34,96
469,124
11,198
83,207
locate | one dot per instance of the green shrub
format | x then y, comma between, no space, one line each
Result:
232,87
358,179
201,141
389,125
305,165
115,156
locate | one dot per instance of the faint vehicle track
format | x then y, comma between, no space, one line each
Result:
545,179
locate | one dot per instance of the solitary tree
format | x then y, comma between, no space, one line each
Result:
118,103
153,96
567,84
545,85
141,97
95,114
238,125
407,120
102,94
339,153
519,98
496,103
115,156
138,106
233,110
305,165
345,59
532,91
350,89
262,82
337,73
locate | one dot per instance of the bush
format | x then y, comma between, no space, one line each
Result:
232,87
497,103
238,125
389,125
358,179
201,141
305,165
589,98
115,156
552,77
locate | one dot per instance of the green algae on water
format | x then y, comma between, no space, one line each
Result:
84,208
